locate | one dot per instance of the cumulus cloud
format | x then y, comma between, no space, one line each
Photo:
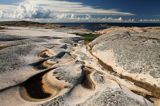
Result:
53,9
29,10
23,10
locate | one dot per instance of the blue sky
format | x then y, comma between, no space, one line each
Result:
148,8
85,9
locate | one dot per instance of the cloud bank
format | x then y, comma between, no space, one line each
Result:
56,10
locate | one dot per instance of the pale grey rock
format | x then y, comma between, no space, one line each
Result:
21,67
133,52
133,55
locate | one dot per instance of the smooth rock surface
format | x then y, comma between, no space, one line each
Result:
45,67
133,55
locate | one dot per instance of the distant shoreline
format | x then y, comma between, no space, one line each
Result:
86,25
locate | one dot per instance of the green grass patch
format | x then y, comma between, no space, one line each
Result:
88,37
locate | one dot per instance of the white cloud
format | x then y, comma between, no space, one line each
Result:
55,9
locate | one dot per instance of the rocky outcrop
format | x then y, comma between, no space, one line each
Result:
133,54
58,69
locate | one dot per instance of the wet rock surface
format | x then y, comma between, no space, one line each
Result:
58,69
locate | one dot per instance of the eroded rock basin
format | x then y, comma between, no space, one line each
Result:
119,68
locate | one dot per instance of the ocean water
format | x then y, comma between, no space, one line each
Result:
100,26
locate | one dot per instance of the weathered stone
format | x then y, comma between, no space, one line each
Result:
133,55
42,67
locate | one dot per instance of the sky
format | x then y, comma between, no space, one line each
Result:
80,10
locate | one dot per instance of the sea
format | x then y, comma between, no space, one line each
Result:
100,26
